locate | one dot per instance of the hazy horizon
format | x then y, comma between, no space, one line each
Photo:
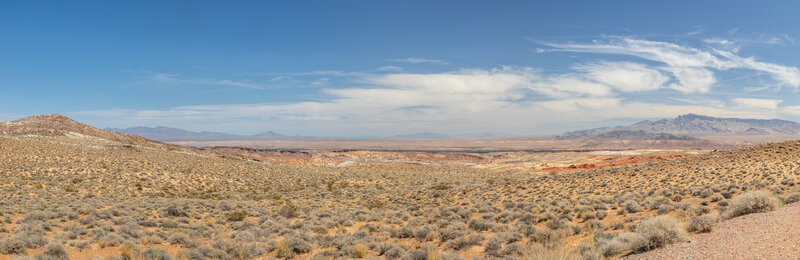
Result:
352,69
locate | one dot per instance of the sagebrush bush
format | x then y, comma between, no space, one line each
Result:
792,198
394,252
465,241
752,202
618,244
54,250
705,223
155,254
659,231
13,246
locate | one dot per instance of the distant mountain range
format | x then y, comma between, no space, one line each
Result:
167,134
686,127
698,125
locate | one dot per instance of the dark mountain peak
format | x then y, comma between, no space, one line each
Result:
692,116
270,134
421,136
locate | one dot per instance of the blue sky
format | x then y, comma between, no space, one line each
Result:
353,68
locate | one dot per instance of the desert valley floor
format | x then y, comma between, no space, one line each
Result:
70,190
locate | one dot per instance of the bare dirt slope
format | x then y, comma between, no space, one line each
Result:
771,235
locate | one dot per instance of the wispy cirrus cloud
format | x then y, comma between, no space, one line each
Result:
691,67
177,79
419,60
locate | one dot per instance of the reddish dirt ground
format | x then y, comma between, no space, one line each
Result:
614,161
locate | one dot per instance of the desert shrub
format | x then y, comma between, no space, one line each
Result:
155,254
288,210
538,251
405,232
465,241
174,212
360,251
479,225
617,244
657,232
513,249
54,250
494,244
394,252
543,236
752,202
13,246
184,240
447,256
130,231
453,231
237,216
419,254
587,251
632,206
109,239
81,244
169,224
792,198
148,223
290,246
703,223
32,239
202,253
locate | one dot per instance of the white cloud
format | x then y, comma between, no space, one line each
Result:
514,100
390,68
321,82
419,60
625,76
757,103
690,66
239,84
691,80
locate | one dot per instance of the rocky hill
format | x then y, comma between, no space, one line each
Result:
692,124
58,125
620,134
687,127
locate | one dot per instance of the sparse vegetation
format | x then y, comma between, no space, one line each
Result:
163,202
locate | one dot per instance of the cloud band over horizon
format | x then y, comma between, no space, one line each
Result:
633,79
